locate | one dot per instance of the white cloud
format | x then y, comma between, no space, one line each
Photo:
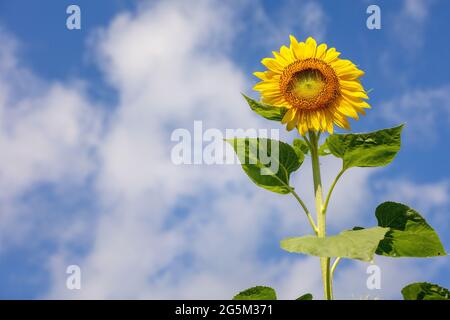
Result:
314,19
409,25
416,9
426,196
420,109
430,199
47,133
351,277
299,18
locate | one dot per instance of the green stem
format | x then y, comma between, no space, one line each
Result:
321,215
334,266
308,215
333,269
325,206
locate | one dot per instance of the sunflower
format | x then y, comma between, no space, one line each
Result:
317,87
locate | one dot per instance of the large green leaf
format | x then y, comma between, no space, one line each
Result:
425,291
274,175
409,235
354,244
257,293
267,111
371,149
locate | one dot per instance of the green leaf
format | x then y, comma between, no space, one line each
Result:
301,145
267,162
425,291
265,110
373,149
324,150
307,296
257,293
354,244
409,235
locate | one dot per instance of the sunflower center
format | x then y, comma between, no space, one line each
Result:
309,84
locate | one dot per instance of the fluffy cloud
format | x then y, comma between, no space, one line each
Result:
299,18
47,134
421,109
413,16
426,196
430,199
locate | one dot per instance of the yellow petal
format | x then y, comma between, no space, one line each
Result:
309,120
286,53
310,48
360,110
315,121
348,110
351,85
321,51
302,129
330,127
353,99
364,104
272,64
322,118
299,51
266,75
349,73
261,75
356,101
267,85
341,63
330,124
331,55
268,91
294,44
355,94
282,59
293,39
346,68
293,123
341,120
289,116
301,126
274,100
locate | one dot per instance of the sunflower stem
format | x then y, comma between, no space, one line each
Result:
321,214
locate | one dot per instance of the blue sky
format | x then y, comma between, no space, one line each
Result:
85,122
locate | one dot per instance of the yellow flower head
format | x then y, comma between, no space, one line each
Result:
318,88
